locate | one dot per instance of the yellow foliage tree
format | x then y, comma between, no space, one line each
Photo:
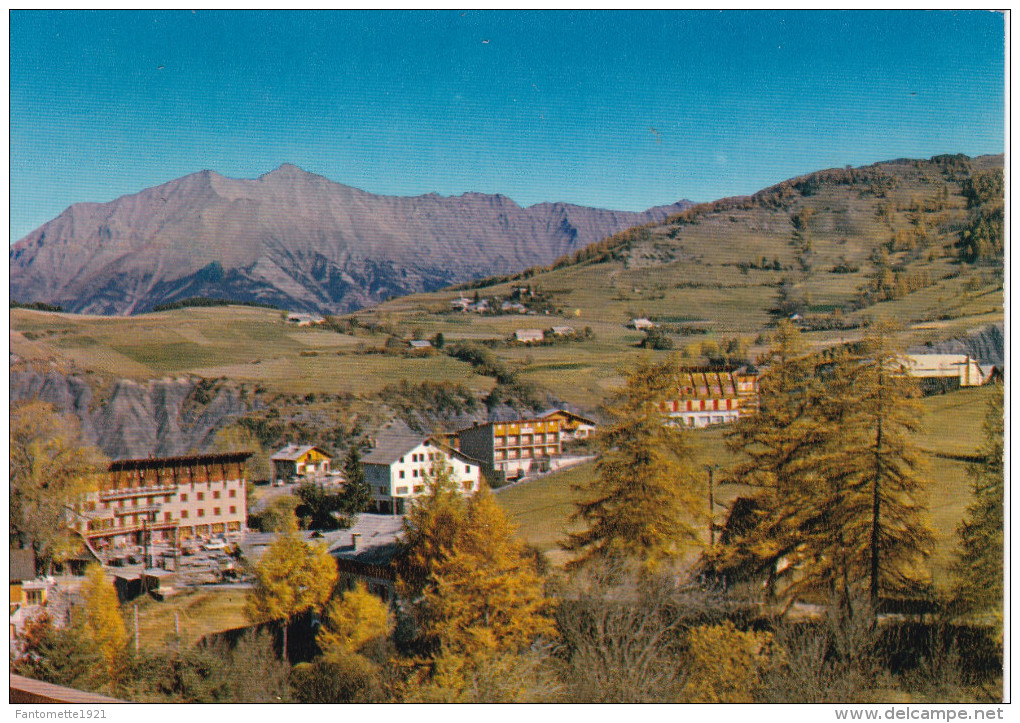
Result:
647,498
101,620
471,586
484,594
50,473
292,577
353,621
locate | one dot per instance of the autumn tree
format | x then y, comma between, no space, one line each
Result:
292,577
979,569
352,622
876,466
471,587
774,448
50,473
833,453
102,623
646,499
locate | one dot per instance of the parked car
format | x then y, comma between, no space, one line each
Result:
215,545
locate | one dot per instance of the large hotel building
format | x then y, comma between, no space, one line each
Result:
713,396
171,498
513,449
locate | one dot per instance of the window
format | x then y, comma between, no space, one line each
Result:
134,502
166,499
401,490
166,517
414,473
201,496
201,513
382,490
148,501
216,511
233,493
216,495
120,503
401,474
467,470
233,510
418,489
184,497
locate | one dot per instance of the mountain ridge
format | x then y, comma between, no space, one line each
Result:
291,238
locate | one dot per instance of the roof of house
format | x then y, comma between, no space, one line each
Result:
378,539
294,452
556,410
420,343
120,465
392,442
529,333
22,565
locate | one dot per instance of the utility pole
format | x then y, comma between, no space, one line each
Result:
710,468
136,628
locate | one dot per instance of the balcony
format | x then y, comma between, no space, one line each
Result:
106,495
122,511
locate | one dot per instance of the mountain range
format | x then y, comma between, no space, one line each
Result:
292,239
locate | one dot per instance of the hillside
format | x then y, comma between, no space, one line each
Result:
541,509
837,247
291,239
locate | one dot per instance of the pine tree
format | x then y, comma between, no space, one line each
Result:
979,570
875,461
646,499
102,623
775,448
356,495
841,479
353,621
470,587
291,577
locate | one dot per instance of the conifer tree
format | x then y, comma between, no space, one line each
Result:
484,596
876,466
353,621
979,570
102,623
357,495
646,498
470,586
775,447
833,452
291,577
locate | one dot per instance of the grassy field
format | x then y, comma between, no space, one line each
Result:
542,508
200,613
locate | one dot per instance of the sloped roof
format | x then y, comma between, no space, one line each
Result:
22,565
378,542
392,442
294,452
557,410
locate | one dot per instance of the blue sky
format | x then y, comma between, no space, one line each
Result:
620,110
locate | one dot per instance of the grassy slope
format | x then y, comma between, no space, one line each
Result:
953,424
201,612
683,271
